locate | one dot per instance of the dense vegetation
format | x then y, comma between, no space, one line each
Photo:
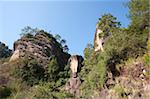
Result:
123,44
29,74
31,80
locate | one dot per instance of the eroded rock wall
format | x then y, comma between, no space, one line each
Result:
42,47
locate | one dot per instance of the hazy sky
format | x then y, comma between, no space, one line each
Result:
74,20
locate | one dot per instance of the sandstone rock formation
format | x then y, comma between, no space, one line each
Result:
75,63
42,47
99,39
73,84
15,55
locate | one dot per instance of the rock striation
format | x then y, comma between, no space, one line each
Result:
42,46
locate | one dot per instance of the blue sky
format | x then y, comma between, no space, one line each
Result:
74,20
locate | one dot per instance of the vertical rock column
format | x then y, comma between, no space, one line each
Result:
74,82
98,40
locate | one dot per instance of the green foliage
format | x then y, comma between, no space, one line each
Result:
138,31
28,32
49,91
3,60
4,51
102,34
38,81
65,48
96,64
88,51
4,92
121,45
53,69
31,72
93,74
147,55
147,60
62,43
124,44
120,91
139,13
97,74
47,82
57,37
55,72
107,23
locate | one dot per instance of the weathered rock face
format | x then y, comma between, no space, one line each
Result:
73,84
15,55
99,39
42,47
133,83
98,42
75,63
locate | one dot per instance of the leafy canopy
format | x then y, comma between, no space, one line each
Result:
107,23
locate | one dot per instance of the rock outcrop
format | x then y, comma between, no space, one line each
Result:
73,84
99,39
42,47
133,83
75,63
98,42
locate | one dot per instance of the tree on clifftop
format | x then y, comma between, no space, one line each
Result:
107,22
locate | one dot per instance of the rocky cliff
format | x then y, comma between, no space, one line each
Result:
73,84
42,47
43,55
132,83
